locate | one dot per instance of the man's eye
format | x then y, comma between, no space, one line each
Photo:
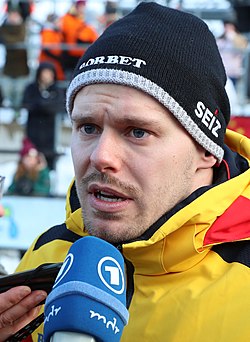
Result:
138,133
89,129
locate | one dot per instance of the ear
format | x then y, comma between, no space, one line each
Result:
206,160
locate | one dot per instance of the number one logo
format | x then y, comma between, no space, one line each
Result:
114,274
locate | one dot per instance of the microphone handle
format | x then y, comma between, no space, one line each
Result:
66,336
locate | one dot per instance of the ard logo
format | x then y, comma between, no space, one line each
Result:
111,274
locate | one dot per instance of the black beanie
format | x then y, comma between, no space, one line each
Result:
170,55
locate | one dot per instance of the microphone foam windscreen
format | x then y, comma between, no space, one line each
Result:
89,294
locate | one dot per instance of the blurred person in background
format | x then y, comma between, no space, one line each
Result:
111,14
75,30
25,7
15,71
19,305
232,45
44,100
51,35
31,177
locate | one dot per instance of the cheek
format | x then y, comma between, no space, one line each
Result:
79,158
162,171
149,173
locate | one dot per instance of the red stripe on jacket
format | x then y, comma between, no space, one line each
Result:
233,225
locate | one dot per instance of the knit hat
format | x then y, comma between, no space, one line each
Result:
27,147
80,2
170,55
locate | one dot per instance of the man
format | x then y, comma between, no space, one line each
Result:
18,305
153,176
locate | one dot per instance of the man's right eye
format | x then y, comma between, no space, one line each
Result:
89,129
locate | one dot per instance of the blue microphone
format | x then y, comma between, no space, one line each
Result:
89,295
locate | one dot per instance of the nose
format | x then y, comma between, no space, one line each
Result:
106,155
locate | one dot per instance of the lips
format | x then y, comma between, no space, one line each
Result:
106,194
102,198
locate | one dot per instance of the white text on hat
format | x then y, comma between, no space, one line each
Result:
125,60
207,118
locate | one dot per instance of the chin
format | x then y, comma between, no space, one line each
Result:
109,235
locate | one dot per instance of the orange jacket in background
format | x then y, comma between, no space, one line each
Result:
76,31
50,36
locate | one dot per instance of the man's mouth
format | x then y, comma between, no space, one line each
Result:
104,196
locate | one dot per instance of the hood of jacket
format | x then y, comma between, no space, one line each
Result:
183,237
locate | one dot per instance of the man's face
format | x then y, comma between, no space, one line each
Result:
133,162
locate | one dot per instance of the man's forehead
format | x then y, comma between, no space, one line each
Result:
126,95
122,92
99,87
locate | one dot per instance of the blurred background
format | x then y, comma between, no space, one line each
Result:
40,42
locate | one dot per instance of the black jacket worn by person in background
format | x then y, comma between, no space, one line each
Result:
43,105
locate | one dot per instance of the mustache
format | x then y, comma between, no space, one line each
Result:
104,178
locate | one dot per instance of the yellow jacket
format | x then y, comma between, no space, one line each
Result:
188,276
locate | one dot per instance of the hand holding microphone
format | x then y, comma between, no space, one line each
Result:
18,308
88,300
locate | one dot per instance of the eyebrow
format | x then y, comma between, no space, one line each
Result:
128,120
133,121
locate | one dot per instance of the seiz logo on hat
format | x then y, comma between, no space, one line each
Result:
114,59
208,118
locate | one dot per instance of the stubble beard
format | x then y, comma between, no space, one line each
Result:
126,229
131,228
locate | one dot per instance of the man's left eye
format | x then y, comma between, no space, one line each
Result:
138,133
